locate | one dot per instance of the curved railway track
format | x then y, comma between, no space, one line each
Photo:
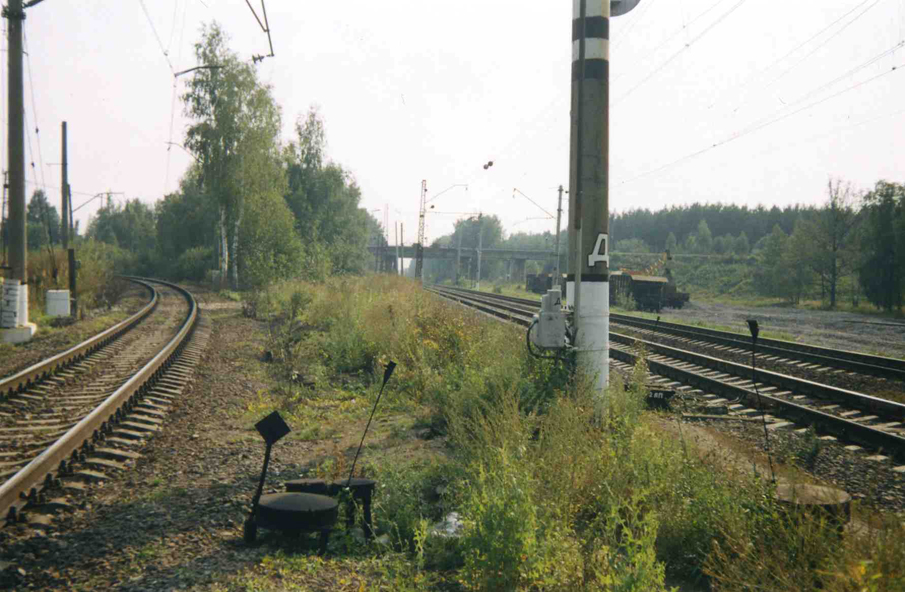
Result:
872,422
77,416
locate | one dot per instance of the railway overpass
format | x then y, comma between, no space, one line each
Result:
386,256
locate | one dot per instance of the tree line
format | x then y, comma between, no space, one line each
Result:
252,207
855,239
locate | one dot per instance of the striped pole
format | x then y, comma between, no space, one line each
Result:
588,281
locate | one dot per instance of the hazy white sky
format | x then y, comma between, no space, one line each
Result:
414,90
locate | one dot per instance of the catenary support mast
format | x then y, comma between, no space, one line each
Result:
588,282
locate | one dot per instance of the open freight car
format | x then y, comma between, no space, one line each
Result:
648,292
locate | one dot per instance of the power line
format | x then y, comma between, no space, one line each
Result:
751,130
797,47
166,182
672,36
34,109
157,36
669,60
811,93
820,46
173,26
631,26
855,70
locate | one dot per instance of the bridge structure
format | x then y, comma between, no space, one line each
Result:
385,257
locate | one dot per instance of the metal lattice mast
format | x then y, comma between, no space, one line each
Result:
419,262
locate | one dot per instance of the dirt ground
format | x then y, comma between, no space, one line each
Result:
839,330
173,519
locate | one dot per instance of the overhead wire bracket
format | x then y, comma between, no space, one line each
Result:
265,26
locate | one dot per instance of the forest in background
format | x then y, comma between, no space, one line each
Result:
257,209
252,207
852,245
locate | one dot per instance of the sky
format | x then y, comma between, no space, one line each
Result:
711,100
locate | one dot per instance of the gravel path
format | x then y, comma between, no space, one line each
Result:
839,330
174,519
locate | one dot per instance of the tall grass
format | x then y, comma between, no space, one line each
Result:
98,265
553,496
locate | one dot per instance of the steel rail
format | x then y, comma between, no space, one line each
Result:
881,366
27,377
24,485
841,428
853,361
837,426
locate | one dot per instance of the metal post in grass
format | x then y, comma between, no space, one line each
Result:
755,331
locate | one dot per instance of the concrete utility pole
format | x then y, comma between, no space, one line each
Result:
396,231
480,247
459,255
557,281
402,240
588,282
64,206
18,254
18,329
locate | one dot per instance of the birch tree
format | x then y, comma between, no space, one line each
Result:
234,137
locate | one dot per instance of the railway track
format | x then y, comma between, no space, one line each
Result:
78,417
865,421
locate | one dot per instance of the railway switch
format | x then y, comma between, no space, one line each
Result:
549,327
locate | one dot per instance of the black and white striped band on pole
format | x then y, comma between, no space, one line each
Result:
587,285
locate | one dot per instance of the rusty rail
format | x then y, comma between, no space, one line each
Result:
25,378
25,484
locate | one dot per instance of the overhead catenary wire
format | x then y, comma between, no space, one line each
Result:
743,133
163,50
173,26
34,109
815,50
674,56
672,36
792,51
175,95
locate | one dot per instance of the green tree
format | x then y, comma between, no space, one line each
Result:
723,244
42,221
795,265
703,238
131,226
770,277
741,246
671,243
881,270
631,245
325,200
828,234
234,138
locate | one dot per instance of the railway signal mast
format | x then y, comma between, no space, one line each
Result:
588,282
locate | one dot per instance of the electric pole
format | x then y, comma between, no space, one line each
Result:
480,248
18,257
19,329
461,230
588,281
402,240
64,206
419,261
557,273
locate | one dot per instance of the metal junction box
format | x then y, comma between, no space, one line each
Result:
550,330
